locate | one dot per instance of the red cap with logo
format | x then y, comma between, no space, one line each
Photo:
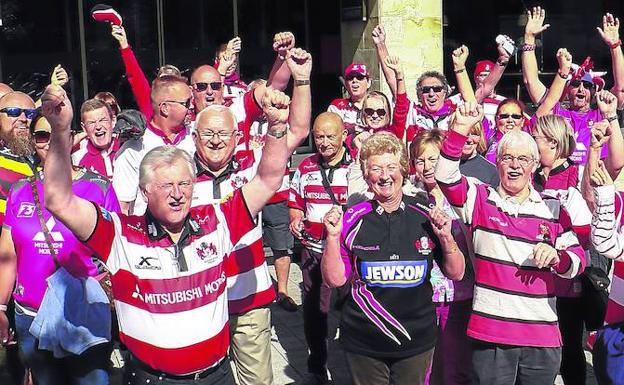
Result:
483,66
356,68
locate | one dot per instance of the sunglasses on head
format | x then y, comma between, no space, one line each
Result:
513,116
14,112
577,83
427,89
370,111
359,77
41,136
202,86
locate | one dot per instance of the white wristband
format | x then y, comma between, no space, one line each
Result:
3,307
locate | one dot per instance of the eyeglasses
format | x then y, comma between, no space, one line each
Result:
524,160
186,103
96,123
201,87
221,135
379,111
167,188
359,77
577,83
41,136
427,89
15,112
513,116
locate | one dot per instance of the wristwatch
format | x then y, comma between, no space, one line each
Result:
277,133
305,82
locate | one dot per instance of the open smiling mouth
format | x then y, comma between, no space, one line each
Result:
514,175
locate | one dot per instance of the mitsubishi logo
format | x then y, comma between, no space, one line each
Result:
137,293
55,235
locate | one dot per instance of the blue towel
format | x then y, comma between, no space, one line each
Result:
74,315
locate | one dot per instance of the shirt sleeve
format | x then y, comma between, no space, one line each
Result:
295,197
239,219
399,115
101,240
138,82
126,175
571,254
9,215
607,233
111,203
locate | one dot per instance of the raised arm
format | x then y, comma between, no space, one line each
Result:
558,85
379,39
459,57
279,76
453,262
332,264
497,72
610,34
299,63
402,103
607,104
535,25
75,213
139,84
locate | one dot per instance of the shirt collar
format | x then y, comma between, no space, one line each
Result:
232,167
157,131
114,147
380,210
156,232
540,180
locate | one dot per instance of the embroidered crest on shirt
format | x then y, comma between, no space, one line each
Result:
424,245
238,182
544,233
206,251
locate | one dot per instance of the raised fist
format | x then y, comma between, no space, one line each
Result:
459,56
283,42
379,35
56,107
299,62
565,59
275,106
59,76
333,221
607,103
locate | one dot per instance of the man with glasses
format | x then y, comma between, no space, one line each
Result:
357,82
522,240
97,152
171,100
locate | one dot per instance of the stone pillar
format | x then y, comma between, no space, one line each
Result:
413,32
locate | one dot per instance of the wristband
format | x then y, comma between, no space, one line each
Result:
399,79
277,133
562,76
305,82
502,63
527,47
221,74
3,307
611,118
460,70
616,44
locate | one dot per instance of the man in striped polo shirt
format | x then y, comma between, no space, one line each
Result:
521,240
169,267
319,183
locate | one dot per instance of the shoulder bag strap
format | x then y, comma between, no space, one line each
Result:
44,227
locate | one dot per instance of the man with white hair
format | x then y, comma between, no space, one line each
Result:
521,240
169,267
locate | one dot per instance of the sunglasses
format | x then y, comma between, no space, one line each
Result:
14,112
370,111
513,116
359,77
201,87
41,136
427,89
577,83
185,103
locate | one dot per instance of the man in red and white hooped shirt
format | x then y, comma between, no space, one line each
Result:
171,99
97,151
169,267
357,83
319,183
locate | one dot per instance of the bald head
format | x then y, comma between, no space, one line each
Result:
329,120
329,135
207,87
18,110
4,89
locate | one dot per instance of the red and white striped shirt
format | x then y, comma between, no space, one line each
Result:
348,111
308,194
95,160
607,236
171,298
248,278
514,301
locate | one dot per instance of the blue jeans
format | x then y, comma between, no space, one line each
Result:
89,368
608,354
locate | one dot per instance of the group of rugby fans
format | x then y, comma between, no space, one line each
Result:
469,242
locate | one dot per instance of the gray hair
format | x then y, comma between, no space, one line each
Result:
218,109
518,139
159,157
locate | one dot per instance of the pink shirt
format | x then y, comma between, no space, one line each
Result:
34,263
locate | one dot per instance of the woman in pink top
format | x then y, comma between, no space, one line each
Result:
26,263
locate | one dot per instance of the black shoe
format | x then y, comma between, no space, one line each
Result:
287,303
316,379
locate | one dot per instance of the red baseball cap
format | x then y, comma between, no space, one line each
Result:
483,66
103,12
357,68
